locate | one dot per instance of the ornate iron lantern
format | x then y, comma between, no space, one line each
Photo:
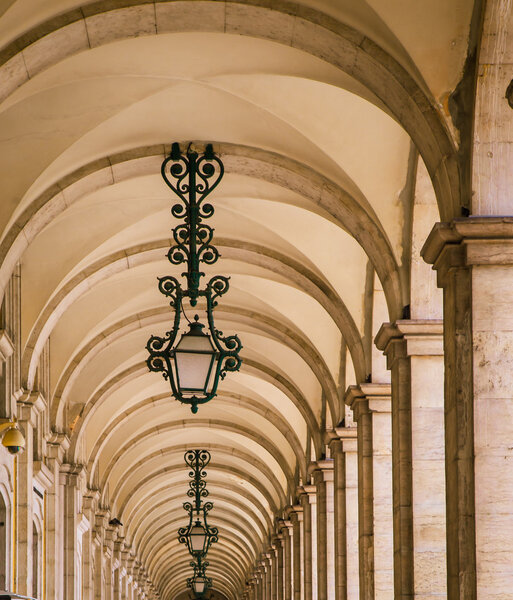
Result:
198,535
200,359
199,582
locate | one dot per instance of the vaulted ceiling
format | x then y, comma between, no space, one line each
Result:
318,110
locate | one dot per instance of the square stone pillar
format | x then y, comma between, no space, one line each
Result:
371,404
69,479
308,502
345,507
296,518
268,577
274,571
414,351
89,504
280,562
23,485
473,258
323,480
286,532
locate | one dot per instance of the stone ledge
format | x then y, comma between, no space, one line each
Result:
487,240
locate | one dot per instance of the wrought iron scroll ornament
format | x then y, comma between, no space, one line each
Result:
192,177
197,509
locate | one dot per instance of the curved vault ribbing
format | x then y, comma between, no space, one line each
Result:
303,304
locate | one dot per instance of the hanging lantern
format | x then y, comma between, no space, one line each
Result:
198,535
199,360
199,582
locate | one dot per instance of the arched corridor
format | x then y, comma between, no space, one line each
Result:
363,450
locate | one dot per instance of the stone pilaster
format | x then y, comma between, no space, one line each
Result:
89,504
371,405
28,409
108,553
308,503
56,447
414,351
473,258
278,542
296,518
340,506
69,479
274,572
285,532
323,481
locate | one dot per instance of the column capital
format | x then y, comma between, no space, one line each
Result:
343,439
307,491
295,513
410,338
57,445
369,397
90,499
70,474
29,406
322,470
469,241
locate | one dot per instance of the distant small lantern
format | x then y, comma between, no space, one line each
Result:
197,535
199,582
199,585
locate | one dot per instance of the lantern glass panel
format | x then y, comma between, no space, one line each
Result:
198,537
199,585
194,358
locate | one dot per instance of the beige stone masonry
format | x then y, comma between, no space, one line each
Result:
323,480
473,258
343,449
414,351
371,405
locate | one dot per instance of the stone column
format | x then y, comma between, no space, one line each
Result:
285,531
280,567
274,572
348,437
108,552
323,480
474,262
371,404
308,503
69,477
296,518
27,413
340,510
89,504
414,351
56,447
267,578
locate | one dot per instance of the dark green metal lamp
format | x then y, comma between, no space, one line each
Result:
199,582
203,355
198,535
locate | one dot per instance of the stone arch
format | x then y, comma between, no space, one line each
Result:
276,329
303,28
283,384
132,413
136,519
214,424
248,252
